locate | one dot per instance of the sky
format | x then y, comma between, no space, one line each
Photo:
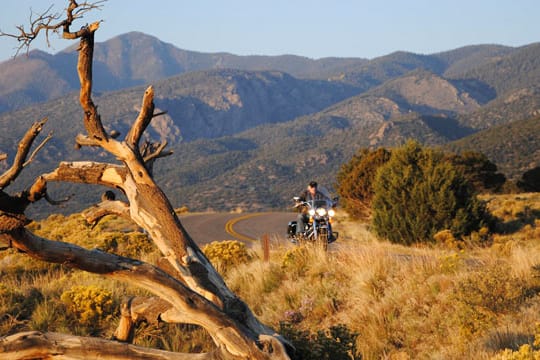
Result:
310,28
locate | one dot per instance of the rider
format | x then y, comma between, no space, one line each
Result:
311,193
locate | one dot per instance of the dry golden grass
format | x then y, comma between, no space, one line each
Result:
410,302
427,302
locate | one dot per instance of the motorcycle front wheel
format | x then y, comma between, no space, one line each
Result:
322,239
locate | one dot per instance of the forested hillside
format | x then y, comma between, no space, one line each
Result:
240,127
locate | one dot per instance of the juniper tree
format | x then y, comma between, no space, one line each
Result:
417,193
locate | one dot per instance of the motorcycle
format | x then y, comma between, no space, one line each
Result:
318,228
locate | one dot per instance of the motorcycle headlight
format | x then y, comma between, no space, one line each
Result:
331,212
311,212
321,211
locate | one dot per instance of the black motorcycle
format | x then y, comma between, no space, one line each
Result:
318,227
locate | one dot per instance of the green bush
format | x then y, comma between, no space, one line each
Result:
418,193
530,180
479,171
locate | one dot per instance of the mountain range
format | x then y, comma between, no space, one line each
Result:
249,131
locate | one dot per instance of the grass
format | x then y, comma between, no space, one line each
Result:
365,298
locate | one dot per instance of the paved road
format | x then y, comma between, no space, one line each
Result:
246,227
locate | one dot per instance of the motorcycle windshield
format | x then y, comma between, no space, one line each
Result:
319,204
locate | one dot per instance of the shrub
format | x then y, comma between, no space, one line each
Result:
479,171
90,304
296,261
483,295
132,244
334,343
49,315
18,303
530,180
226,254
355,181
418,194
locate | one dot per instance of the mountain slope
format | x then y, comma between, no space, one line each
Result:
514,70
427,93
134,59
461,60
250,139
514,105
513,147
384,68
201,104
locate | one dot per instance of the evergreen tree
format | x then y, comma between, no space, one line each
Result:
530,180
355,181
479,171
418,193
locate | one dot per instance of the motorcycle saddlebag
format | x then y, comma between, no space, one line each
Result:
291,228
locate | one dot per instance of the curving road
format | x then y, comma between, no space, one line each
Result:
249,228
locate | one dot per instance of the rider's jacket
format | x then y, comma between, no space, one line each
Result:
306,196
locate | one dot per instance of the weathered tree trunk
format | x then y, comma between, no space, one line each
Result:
37,345
188,288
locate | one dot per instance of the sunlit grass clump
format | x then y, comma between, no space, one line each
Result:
475,297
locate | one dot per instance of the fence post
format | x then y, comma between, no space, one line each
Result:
266,247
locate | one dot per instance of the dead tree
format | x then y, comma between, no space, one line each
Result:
186,286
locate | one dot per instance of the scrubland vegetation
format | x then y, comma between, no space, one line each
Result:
475,297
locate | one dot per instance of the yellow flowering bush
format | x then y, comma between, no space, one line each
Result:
525,351
226,254
90,304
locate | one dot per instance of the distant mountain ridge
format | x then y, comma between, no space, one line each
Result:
254,128
135,58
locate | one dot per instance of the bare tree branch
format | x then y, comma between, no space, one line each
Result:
161,113
92,119
151,151
104,208
37,149
57,202
83,140
12,207
48,21
38,345
89,172
22,152
142,121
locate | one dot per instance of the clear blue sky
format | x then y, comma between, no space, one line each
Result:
312,28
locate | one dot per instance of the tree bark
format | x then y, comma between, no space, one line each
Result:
38,345
188,288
